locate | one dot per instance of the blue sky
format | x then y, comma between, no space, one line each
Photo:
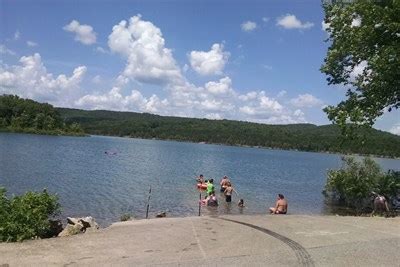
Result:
245,60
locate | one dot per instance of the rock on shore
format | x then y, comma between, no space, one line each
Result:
79,225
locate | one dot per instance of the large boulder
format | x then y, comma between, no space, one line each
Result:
72,221
79,225
71,229
89,224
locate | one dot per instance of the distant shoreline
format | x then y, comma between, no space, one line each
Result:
52,133
260,147
42,132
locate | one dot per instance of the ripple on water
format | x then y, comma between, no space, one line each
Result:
91,182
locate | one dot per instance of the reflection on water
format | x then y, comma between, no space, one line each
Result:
106,177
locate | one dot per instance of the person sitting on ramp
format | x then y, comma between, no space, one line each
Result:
280,206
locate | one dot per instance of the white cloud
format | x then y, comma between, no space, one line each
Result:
306,100
258,107
5,50
211,62
265,19
284,119
281,93
114,100
83,33
356,22
31,43
248,26
324,26
223,87
214,116
249,96
31,79
17,35
298,113
291,22
395,129
214,105
96,79
267,67
101,50
270,104
358,70
7,79
141,43
215,96
260,104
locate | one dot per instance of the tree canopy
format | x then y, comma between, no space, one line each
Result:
364,56
25,115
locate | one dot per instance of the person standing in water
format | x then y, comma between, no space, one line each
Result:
200,179
210,187
280,206
228,192
224,183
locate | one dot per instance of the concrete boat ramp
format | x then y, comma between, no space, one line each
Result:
268,240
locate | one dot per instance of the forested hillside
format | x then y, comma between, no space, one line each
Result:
28,116
306,137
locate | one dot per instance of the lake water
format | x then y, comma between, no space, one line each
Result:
107,185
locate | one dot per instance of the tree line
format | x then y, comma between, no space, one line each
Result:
304,137
25,115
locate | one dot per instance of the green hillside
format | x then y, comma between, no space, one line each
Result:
28,116
305,137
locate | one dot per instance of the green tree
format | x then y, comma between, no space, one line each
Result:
3,122
364,56
75,127
25,115
39,121
353,184
26,216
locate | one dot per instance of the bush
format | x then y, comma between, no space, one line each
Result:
352,185
125,217
27,216
389,184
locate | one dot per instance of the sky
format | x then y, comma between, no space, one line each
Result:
253,61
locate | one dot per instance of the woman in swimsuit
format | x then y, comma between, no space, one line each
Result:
280,206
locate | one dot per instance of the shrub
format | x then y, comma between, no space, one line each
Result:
27,216
125,217
352,185
389,184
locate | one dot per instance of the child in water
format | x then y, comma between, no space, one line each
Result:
241,203
212,200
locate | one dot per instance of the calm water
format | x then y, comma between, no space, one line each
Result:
105,186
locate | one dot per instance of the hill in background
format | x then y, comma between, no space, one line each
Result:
305,137
28,116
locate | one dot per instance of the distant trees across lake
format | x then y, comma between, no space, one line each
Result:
304,137
28,116
25,115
